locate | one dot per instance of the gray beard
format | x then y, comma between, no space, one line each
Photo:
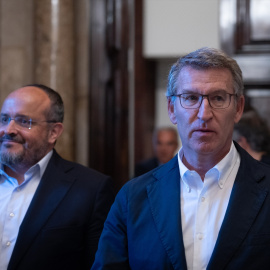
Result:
9,159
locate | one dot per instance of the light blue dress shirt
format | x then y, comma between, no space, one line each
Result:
14,202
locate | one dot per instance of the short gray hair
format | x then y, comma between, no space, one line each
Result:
205,58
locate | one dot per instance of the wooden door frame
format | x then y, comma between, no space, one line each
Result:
109,110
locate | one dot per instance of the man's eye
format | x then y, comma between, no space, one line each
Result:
191,97
22,120
217,98
4,119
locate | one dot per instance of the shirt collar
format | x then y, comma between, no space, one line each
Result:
220,171
44,162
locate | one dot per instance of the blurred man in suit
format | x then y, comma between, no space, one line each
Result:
51,210
165,144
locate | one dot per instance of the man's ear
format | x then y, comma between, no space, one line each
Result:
171,110
55,132
239,109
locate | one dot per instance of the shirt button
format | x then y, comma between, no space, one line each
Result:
8,243
202,199
200,236
11,215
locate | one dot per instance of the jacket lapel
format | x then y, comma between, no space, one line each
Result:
164,198
246,200
53,186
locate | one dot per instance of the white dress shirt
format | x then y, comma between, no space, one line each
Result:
203,206
14,202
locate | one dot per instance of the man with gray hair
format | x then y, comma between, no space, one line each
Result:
207,208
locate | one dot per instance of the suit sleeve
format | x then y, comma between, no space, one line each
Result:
103,201
113,246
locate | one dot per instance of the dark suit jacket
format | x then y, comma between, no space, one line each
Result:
146,166
265,159
63,223
143,228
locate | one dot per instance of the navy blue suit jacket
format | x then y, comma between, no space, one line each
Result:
143,229
64,221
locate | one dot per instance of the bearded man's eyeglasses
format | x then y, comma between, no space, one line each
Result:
217,100
21,121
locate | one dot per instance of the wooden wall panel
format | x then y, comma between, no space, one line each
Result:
111,30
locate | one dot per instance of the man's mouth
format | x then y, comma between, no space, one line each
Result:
9,140
203,130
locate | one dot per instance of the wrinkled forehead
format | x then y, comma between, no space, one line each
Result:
28,101
208,78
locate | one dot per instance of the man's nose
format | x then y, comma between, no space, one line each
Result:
10,127
205,111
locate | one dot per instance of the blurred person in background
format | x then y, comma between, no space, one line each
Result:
252,133
165,145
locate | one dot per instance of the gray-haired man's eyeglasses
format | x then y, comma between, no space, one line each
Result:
217,100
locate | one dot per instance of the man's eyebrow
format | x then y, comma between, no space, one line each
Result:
192,91
16,115
187,91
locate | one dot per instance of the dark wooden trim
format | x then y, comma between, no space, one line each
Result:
145,76
109,86
109,89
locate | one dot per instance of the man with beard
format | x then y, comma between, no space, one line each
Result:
51,210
